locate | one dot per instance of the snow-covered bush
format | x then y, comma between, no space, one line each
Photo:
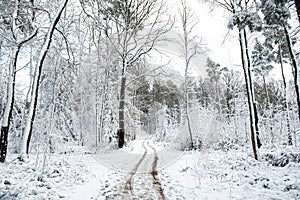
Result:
206,130
282,159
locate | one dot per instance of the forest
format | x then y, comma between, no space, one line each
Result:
88,79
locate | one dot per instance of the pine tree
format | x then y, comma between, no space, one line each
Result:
277,13
261,58
277,51
215,71
244,17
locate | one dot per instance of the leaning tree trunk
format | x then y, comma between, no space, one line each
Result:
35,87
249,94
295,66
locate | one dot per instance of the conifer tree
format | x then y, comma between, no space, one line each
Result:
277,13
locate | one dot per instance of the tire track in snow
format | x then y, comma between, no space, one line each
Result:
128,185
139,185
154,173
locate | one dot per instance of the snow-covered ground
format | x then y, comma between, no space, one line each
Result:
230,175
208,174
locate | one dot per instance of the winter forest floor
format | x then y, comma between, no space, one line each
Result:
148,170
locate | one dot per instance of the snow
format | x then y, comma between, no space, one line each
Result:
206,174
36,80
232,175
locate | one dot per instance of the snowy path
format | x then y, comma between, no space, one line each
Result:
138,171
141,182
147,171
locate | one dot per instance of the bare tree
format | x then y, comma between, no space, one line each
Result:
295,66
17,30
232,84
277,13
243,18
36,81
138,25
190,48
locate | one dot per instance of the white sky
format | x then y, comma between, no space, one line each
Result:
223,45
212,27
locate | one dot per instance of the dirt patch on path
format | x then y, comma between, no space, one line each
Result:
154,174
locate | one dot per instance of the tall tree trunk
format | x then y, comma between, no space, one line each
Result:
121,131
24,149
252,94
295,66
286,107
98,109
10,96
104,99
186,99
188,120
188,52
9,104
249,92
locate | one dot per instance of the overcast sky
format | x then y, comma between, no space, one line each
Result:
212,28
223,45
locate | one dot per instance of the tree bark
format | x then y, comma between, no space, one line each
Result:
295,66
24,149
297,4
3,143
121,112
249,93
130,20
188,52
252,94
190,129
187,104
9,104
286,107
